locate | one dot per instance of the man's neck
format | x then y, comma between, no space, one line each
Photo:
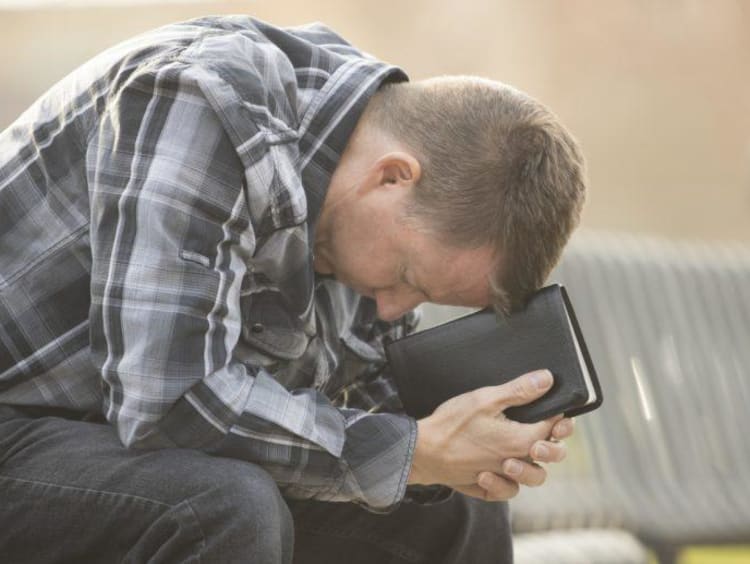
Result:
342,188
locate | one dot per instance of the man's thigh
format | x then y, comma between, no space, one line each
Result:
457,530
70,492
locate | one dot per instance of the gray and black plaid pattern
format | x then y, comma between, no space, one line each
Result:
157,209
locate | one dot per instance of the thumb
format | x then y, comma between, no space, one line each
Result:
524,389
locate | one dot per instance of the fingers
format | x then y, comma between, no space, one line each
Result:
496,487
524,473
563,429
548,451
524,389
528,433
493,488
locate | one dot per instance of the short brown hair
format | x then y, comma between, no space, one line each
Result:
498,168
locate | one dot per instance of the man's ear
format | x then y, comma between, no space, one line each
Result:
398,169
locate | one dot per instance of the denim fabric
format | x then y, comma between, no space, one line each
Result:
70,492
459,530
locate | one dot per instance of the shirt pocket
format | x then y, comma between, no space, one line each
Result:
269,325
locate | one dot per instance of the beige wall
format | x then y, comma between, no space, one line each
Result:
657,92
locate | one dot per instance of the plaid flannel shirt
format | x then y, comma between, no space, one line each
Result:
157,215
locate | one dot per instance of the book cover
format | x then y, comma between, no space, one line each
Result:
481,349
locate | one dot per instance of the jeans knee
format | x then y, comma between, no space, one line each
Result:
256,499
243,510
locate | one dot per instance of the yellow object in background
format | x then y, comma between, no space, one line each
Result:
716,555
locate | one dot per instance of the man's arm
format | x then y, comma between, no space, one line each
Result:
171,237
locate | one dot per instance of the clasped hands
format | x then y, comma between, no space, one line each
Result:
469,445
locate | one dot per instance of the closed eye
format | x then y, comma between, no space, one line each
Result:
405,280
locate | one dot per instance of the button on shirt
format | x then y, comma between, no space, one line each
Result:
157,213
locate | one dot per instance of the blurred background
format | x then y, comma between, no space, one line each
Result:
658,93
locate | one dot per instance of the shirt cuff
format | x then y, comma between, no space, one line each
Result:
378,454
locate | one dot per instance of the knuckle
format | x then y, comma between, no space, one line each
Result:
520,388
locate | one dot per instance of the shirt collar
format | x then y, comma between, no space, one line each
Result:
325,133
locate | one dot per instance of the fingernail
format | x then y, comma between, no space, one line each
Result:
484,482
513,467
542,379
541,451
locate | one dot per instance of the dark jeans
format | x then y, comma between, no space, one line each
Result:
69,492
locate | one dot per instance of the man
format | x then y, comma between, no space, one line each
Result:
206,234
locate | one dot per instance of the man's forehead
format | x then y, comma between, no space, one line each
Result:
463,277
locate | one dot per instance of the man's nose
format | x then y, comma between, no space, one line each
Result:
392,305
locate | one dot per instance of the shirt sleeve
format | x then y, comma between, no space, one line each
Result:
171,237
373,389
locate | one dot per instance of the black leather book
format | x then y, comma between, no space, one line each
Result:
480,349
